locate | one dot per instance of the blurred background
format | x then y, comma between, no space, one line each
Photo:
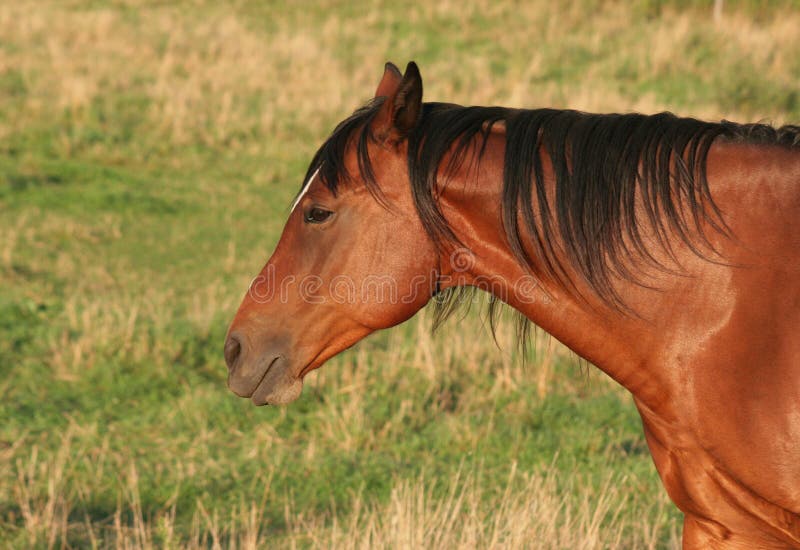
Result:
149,151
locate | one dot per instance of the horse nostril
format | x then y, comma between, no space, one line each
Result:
232,350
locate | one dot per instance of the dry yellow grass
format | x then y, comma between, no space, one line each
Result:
529,511
209,78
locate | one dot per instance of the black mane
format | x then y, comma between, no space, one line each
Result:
602,165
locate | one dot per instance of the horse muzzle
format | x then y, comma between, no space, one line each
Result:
265,377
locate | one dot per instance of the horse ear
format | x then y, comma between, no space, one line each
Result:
403,106
408,101
390,81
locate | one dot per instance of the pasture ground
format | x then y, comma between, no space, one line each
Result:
148,155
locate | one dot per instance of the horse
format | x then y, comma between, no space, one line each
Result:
663,250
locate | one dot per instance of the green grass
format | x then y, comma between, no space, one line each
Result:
148,155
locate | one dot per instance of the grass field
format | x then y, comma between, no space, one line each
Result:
149,152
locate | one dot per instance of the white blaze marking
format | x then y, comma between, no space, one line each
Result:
304,190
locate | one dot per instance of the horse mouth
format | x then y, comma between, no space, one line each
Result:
277,385
263,376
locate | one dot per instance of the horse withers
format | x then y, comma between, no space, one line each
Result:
663,250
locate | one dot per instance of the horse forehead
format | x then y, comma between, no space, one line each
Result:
305,188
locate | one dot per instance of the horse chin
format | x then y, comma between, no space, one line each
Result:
279,395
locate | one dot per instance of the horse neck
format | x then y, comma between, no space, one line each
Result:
615,341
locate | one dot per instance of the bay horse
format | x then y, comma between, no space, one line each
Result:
663,250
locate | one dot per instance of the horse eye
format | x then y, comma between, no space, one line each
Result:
317,215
